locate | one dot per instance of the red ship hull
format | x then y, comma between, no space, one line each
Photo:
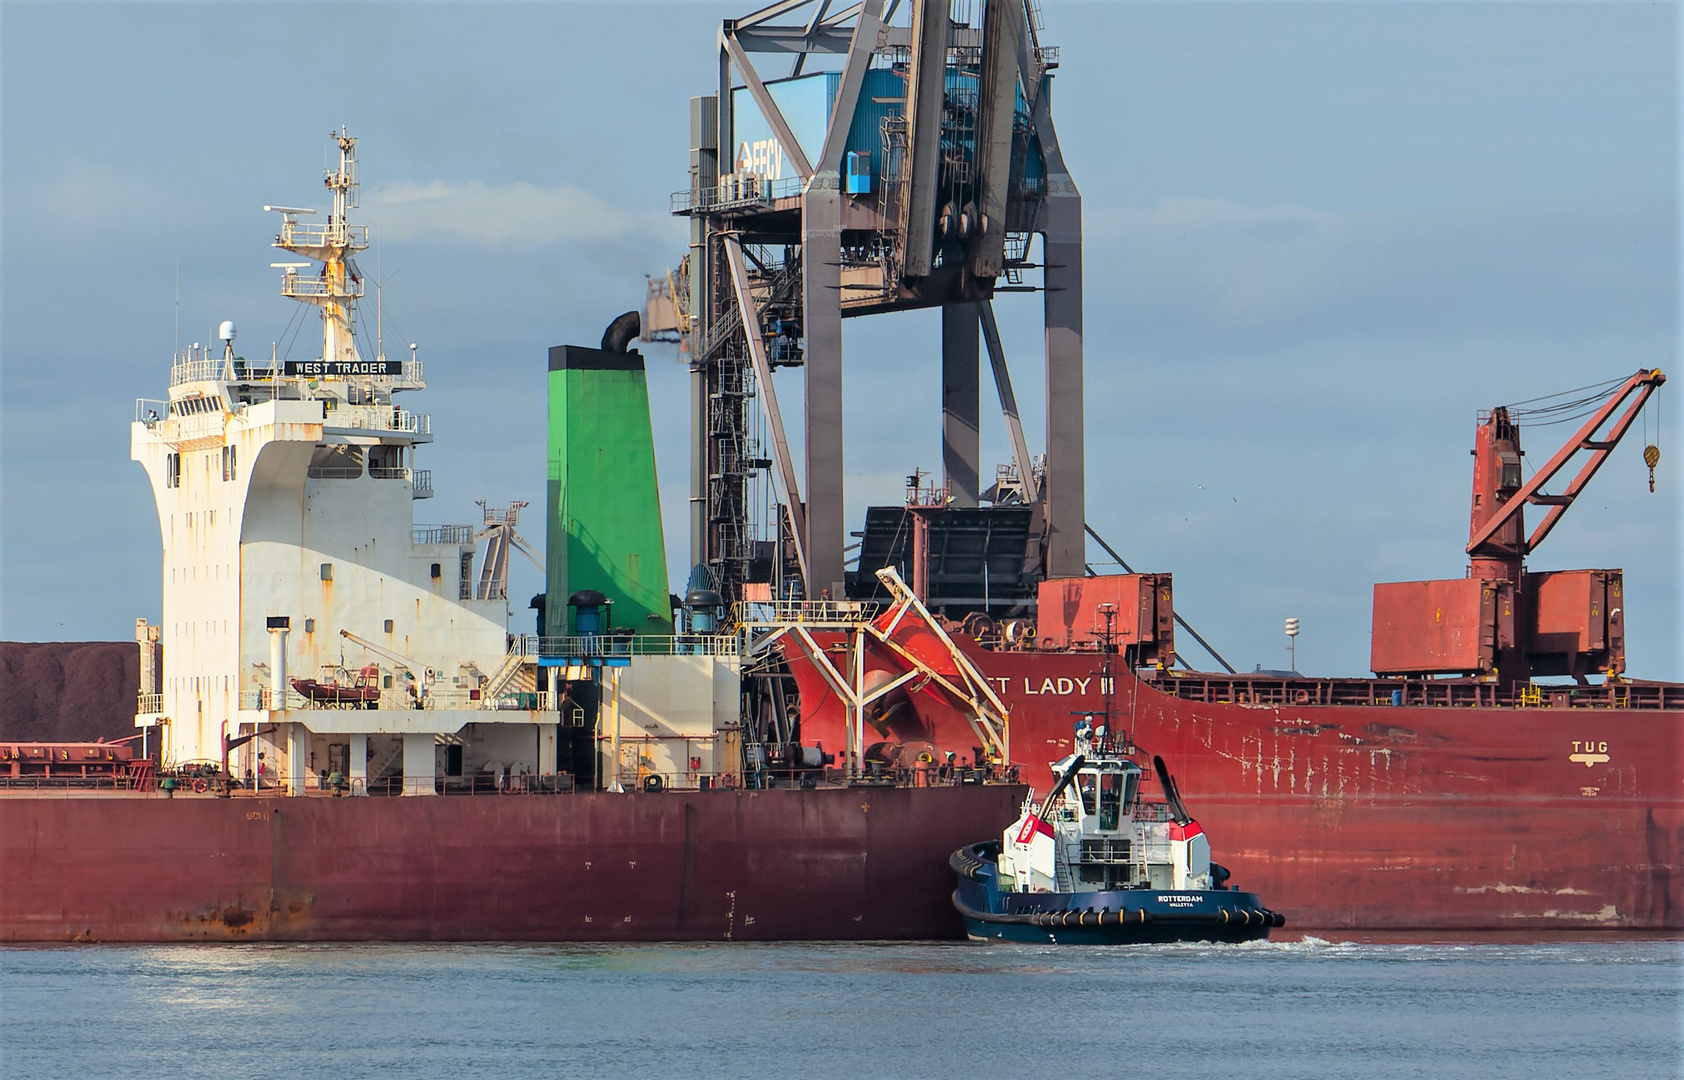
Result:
826,864
1370,817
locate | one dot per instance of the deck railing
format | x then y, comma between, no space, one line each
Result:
71,785
742,193
378,418
296,234
606,646
805,612
442,534
1270,691
401,698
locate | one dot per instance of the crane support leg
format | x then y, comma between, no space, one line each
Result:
821,285
960,403
1066,473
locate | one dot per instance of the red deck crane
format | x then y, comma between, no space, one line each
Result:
1496,528
1501,622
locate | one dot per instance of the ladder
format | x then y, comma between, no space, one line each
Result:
384,768
505,674
1062,880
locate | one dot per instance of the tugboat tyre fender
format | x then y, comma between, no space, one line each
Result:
963,863
1037,918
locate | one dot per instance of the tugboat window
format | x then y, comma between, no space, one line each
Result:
1085,784
1110,800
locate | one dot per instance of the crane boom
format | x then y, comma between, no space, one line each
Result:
1509,510
413,666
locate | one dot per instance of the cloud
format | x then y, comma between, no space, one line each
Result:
86,195
1238,264
1206,274
506,215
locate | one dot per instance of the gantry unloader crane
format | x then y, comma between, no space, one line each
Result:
915,173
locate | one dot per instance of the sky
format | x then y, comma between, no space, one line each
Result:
1319,238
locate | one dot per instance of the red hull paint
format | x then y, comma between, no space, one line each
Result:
829,864
1373,817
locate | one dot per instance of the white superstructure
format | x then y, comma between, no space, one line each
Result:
314,637
294,572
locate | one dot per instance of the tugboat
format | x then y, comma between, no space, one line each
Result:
1096,864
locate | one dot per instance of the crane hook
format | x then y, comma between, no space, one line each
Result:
1651,458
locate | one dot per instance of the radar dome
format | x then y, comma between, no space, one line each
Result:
226,331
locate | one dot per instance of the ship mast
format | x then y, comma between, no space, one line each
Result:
338,285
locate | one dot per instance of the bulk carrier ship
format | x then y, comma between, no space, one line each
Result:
396,764
358,750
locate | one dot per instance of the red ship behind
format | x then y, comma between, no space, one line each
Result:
1456,793
1350,812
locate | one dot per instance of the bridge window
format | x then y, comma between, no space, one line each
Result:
386,463
336,461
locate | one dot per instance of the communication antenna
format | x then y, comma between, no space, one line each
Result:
177,346
379,288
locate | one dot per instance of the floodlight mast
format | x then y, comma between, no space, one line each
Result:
924,186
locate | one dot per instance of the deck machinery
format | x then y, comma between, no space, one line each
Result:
905,159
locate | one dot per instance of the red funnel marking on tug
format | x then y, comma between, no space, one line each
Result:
1031,826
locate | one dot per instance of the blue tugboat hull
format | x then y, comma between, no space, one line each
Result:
1111,917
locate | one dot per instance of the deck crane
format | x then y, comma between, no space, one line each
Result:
500,531
424,685
1503,623
1497,540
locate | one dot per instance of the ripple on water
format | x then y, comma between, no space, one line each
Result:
1259,1011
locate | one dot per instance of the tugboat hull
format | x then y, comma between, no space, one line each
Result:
1110,917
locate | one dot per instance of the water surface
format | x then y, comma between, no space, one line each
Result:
1303,1009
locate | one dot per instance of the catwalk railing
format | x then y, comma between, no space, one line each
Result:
804,612
377,418
607,646
1267,690
401,698
442,534
186,785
